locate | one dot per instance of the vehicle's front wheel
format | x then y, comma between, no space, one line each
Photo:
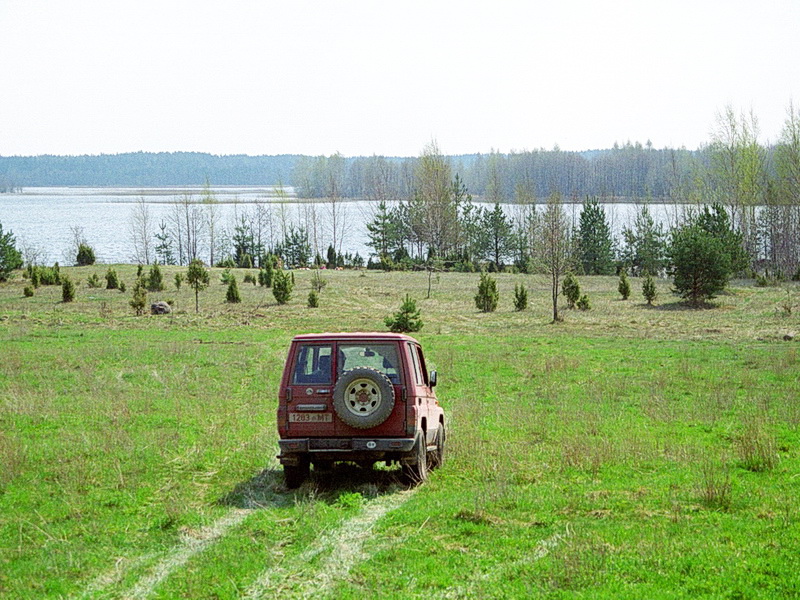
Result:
417,473
294,476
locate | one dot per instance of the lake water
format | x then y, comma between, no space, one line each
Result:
41,218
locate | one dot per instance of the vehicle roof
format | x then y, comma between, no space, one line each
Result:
372,336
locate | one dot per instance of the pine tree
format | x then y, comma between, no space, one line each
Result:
85,255
595,243
155,279
232,296
313,299
649,289
10,257
571,290
702,264
407,319
624,286
198,277
487,296
520,297
67,289
282,286
112,279
139,300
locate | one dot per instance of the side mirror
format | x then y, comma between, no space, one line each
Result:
433,379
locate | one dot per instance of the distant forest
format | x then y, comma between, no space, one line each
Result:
623,172
628,171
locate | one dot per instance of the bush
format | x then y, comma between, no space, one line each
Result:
649,289
520,297
313,299
178,280
250,278
407,319
226,276
139,299
571,290
624,286
232,296
282,286
85,255
112,280
44,275
583,303
28,291
487,296
93,281
67,289
155,279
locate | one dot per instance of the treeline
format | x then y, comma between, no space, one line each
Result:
144,169
627,171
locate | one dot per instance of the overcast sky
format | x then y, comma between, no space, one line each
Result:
362,78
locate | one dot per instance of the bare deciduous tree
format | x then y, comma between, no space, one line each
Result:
554,247
141,230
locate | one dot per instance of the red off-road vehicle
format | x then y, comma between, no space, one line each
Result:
360,397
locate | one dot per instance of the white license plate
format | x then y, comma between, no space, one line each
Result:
310,418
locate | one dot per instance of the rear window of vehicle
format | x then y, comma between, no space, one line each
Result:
313,365
381,357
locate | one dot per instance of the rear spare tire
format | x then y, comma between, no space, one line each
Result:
363,397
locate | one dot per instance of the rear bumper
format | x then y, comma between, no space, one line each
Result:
296,449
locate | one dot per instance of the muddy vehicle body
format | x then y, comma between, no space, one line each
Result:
358,397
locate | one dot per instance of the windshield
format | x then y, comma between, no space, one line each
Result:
381,357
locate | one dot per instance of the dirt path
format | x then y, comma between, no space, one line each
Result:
343,548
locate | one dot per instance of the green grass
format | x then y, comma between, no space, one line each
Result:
630,451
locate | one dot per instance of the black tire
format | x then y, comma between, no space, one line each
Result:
295,476
417,473
437,456
363,397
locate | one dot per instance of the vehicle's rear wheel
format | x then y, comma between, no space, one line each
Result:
417,473
294,476
363,397
437,456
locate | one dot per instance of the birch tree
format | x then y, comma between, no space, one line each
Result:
554,255
141,231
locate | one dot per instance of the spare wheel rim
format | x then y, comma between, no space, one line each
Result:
363,397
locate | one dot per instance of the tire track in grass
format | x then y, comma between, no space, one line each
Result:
345,547
542,549
113,575
190,546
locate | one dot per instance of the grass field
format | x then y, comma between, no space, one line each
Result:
628,452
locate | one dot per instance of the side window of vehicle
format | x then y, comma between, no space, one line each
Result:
313,365
415,361
422,367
